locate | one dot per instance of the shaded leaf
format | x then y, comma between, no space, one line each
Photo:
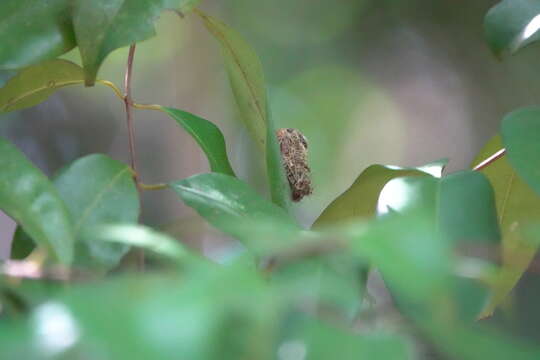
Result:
30,199
98,190
520,131
21,245
35,84
32,31
447,201
323,342
360,200
207,135
225,202
246,77
102,26
147,316
512,25
280,190
395,253
517,205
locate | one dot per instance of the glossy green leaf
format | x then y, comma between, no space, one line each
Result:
448,201
360,200
35,84
512,25
102,26
98,190
246,77
139,236
517,205
207,135
520,131
30,199
32,31
225,202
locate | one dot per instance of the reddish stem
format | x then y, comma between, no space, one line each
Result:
128,101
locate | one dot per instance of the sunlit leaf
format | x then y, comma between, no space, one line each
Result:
34,30
517,205
512,25
448,201
102,26
31,199
36,83
246,77
360,200
207,135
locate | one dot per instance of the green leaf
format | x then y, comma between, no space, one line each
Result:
360,200
218,313
98,190
207,135
226,202
102,26
280,190
246,77
520,131
517,205
35,84
322,341
512,25
448,203
140,236
21,245
32,31
30,199
409,252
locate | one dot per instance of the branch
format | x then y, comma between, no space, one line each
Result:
128,101
490,160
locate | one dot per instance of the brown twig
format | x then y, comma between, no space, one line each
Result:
490,160
128,101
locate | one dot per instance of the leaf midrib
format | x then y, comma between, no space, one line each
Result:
97,199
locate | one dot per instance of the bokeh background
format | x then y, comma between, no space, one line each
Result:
367,81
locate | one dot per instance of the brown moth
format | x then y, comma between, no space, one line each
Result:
294,157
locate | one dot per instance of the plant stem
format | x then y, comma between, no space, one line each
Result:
153,186
128,101
490,160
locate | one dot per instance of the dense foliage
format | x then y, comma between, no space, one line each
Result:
69,292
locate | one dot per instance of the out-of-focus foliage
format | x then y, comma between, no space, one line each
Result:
287,292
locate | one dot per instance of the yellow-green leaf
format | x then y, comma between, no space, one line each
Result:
517,205
35,84
360,200
245,75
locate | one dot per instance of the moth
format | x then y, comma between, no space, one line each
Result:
294,157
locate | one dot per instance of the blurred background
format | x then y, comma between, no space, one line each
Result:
367,81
